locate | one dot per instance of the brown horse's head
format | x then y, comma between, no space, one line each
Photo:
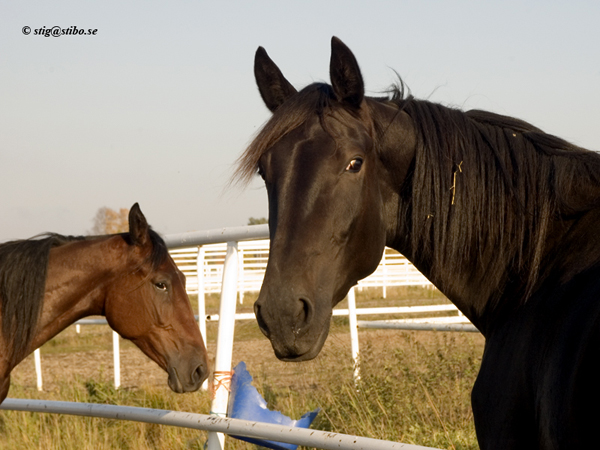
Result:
321,158
148,304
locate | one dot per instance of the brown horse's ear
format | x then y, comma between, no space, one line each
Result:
138,226
274,88
346,79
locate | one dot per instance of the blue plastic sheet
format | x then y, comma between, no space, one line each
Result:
246,403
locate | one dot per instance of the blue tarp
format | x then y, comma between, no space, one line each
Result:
246,403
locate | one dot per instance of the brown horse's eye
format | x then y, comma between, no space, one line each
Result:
160,286
354,165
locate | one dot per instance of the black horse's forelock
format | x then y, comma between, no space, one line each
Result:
315,98
483,183
23,269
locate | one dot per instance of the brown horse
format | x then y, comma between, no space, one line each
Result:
47,284
500,216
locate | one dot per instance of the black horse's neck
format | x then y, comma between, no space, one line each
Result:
489,204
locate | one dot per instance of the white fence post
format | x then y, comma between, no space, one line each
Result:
116,359
222,377
201,292
241,279
38,368
385,272
201,299
354,333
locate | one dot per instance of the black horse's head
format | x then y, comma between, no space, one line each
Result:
323,161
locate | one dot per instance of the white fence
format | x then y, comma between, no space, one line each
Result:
207,262
239,267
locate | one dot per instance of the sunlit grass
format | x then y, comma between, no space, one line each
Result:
414,388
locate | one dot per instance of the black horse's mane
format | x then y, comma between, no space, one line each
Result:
487,188
481,183
23,270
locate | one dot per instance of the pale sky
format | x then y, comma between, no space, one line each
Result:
156,107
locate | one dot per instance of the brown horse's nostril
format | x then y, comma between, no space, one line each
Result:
174,382
199,375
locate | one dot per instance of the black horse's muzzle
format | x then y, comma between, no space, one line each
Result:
296,333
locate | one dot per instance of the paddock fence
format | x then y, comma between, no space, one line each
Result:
201,257
205,263
223,260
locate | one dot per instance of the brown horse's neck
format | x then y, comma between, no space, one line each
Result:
78,276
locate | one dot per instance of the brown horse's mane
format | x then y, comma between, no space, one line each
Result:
481,182
23,270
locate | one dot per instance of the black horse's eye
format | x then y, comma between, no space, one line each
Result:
161,286
354,165
261,172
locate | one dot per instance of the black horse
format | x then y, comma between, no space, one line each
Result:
502,217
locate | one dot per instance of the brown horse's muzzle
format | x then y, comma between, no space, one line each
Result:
187,375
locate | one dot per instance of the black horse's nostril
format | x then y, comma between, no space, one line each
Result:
259,319
304,314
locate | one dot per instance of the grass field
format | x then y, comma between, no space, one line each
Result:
415,387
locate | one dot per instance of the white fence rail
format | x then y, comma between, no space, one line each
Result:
237,427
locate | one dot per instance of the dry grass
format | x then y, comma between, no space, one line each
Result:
415,388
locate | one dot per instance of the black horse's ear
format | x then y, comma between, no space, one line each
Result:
274,88
138,226
346,79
